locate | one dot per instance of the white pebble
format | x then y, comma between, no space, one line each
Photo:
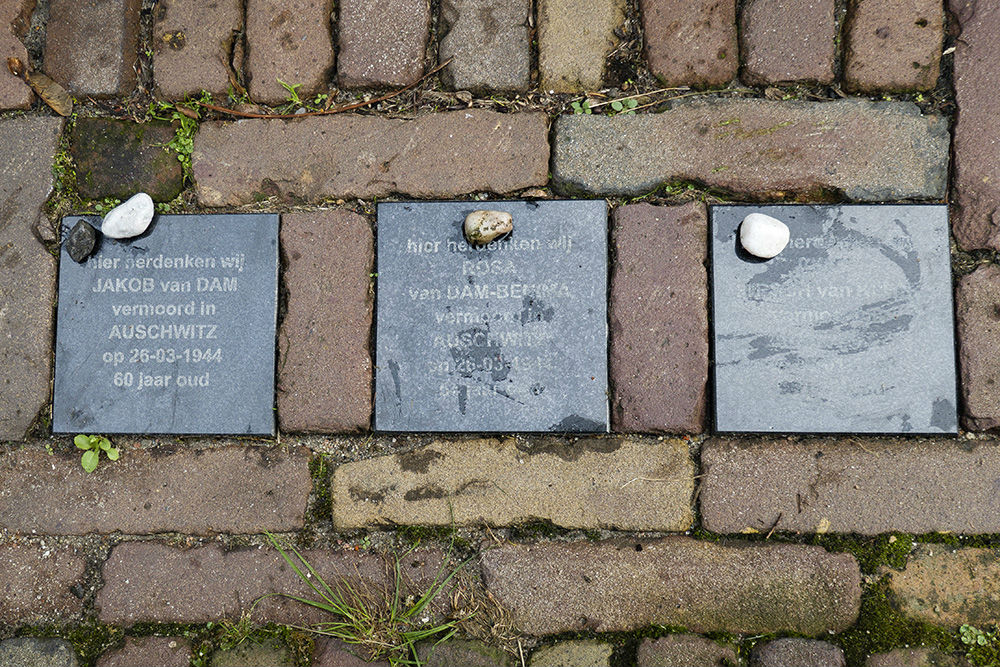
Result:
481,227
129,218
763,236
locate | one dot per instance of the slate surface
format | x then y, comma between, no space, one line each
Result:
138,346
849,329
511,337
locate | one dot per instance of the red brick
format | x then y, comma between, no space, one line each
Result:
146,651
691,42
35,583
436,155
659,318
289,40
14,15
92,46
382,42
893,44
156,491
324,366
788,42
190,39
620,585
976,148
978,313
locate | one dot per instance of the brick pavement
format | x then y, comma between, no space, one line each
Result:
659,527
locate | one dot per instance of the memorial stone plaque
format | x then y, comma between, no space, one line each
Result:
510,336
170,332
849,329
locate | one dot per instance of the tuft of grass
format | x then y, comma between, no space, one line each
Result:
186,115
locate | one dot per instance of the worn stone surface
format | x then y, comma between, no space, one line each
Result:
623,483
807,148
329,652
35,583
91,48
784,42
191,39
382,42
487,42
893,44
621,585
945,586
468,653
800,652
289,40
155,491
139,651
438,155
976,184
115,158
256,654
977,310
659,318
14,16
684,651
862,485
691,42
574,38
32,652
915,657
27,271
324,365
573,653
205,583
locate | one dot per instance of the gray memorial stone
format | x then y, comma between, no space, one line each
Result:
170,332
511,336
849,329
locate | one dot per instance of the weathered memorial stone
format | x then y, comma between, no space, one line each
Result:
849,329
508,336
170,332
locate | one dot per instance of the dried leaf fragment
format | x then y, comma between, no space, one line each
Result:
51,93
16,67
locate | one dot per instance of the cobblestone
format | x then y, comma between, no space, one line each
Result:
684,651
156,491
466,653
659,318
624,483
439,155
146,651
329,652
784,43
91,48
382,42
191,42
800,652
487,43
32,652
621,585
324,367
915,657
573,653
27,281
978,314
35,583
289,40
858,485
691,42
809,148
893,45
14,15
574,38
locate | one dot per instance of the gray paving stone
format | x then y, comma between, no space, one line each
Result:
574,38
32,652
91,48
35,583
893,45
799,652
329,652
623,483
165,489
915,657
659,319
703,586
976,185
256,654
434,156
190,39
573,653
809,148
784,42
691,42
147,651
467,653
15,15
27,281
382,42
289,40
487,42
977,310
324,365
684,651
850,485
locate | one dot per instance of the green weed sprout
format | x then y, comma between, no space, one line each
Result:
92,445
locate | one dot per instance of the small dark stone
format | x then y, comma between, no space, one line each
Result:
78,590
81,241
